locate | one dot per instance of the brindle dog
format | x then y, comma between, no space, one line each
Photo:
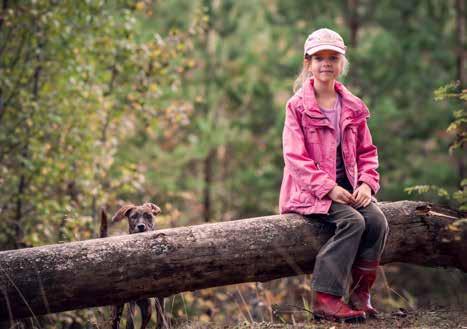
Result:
140,219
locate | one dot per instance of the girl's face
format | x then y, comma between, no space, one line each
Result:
326,65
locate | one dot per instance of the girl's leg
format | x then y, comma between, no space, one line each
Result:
368,257
334,260
333,264
375,234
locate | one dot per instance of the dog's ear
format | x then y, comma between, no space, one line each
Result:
155,209
123,212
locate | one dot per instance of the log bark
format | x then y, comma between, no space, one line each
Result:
111,270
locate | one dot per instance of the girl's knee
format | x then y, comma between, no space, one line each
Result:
377,221
355,220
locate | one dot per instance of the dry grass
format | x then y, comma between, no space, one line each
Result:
421,319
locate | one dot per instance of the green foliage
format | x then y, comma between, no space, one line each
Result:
458,127
76,81
427,188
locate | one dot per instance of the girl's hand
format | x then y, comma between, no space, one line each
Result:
362,196
341,195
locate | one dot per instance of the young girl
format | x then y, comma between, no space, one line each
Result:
330,173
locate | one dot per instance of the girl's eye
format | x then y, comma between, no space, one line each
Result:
331,58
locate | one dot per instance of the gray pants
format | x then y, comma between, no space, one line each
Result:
359,234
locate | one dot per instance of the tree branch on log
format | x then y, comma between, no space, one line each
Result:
117,269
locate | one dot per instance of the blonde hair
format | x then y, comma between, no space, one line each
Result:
306,74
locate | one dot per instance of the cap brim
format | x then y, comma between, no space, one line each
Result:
314,50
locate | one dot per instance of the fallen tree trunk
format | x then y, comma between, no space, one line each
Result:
106,271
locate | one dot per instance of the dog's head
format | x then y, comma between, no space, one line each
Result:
140,218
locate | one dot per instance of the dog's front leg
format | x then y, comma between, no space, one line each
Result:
116,315
146,311
130,319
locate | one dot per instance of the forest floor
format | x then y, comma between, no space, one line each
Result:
420,319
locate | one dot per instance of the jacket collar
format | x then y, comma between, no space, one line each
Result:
352,106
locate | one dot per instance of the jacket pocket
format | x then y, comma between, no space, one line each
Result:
301,197
351,141
314,143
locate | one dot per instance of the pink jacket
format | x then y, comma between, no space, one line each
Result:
309,148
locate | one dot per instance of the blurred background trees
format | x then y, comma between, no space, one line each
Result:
182,103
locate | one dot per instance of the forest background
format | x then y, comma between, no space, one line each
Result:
181,103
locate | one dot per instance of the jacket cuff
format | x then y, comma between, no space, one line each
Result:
325,189
373,184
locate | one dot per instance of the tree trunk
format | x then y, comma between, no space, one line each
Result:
208,173
460,51
353,21
461,71
106,271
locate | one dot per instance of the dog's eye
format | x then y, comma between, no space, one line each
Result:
147,216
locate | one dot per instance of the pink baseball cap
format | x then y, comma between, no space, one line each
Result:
324,39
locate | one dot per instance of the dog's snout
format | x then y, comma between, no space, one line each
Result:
141,227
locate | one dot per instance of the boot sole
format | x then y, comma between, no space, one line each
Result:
329,317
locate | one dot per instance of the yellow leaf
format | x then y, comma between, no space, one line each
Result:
155,53
453,228
204,318
136,106
191,63
140,5
208,304
188,297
